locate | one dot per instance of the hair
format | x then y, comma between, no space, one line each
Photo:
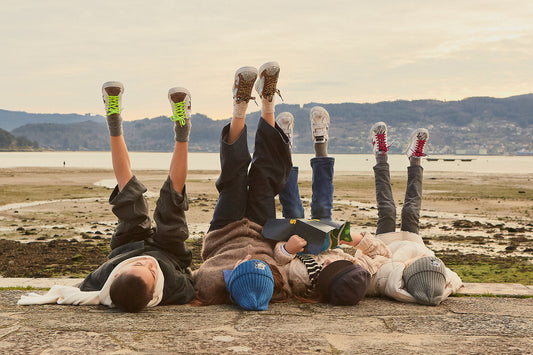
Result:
280,294
130,293
312,298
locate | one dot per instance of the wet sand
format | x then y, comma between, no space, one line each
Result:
484,214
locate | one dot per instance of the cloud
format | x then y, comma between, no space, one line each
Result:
59,53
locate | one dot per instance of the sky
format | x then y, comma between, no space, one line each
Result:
56,54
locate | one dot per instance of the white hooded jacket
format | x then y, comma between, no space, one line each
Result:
405,247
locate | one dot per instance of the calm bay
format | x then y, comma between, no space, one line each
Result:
210,161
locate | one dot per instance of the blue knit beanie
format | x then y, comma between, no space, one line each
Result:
250,285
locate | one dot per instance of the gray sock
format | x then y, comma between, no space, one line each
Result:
321,149
415,161
181,133
114,124
382,158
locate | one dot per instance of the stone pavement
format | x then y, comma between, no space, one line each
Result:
466,325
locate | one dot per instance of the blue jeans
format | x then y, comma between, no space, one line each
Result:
250,194
322,187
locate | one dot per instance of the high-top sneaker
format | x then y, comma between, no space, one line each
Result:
285,121
112,95
319,124
244,82
419,138
378,137
180,103
268,80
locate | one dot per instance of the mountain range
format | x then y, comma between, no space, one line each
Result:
476,125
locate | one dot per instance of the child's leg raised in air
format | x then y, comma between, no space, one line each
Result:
384,198
112,95
180,101
289,196
271,162
242,89
266,87
413,192
169,214
322,165
234,155
127,199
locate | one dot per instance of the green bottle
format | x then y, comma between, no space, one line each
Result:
342,232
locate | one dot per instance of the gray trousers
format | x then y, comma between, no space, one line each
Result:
134,224
385,200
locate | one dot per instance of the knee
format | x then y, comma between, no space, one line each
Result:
388,211
409,212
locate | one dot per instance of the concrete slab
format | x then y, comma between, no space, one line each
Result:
474,325
496,289
6,282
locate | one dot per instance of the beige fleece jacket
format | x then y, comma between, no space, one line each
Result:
371,254
222,248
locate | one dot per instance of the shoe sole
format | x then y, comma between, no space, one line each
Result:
109,84
270,67
178,89
246,69
318,108
283,115
321,110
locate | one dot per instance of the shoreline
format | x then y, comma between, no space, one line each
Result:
470,218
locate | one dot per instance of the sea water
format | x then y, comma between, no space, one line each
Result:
210,161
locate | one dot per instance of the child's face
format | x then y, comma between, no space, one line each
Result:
145,268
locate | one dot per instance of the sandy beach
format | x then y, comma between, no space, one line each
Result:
474,215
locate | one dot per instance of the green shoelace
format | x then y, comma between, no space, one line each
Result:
113,105
180,113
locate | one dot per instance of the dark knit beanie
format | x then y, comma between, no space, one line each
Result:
425,280
343,283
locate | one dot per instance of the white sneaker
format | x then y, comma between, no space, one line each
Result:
180,103
285,121
268,80
378,137
419,138
319,124
112,95
243,84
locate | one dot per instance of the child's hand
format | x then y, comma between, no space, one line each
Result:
295,244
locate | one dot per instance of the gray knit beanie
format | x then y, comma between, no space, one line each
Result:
425,280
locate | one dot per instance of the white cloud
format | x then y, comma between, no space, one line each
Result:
59,52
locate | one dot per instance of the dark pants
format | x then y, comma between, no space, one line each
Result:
250,193
385,200
322,187
134,225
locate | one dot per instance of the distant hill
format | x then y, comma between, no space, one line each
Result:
156,134
9,120
477,125
10,142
